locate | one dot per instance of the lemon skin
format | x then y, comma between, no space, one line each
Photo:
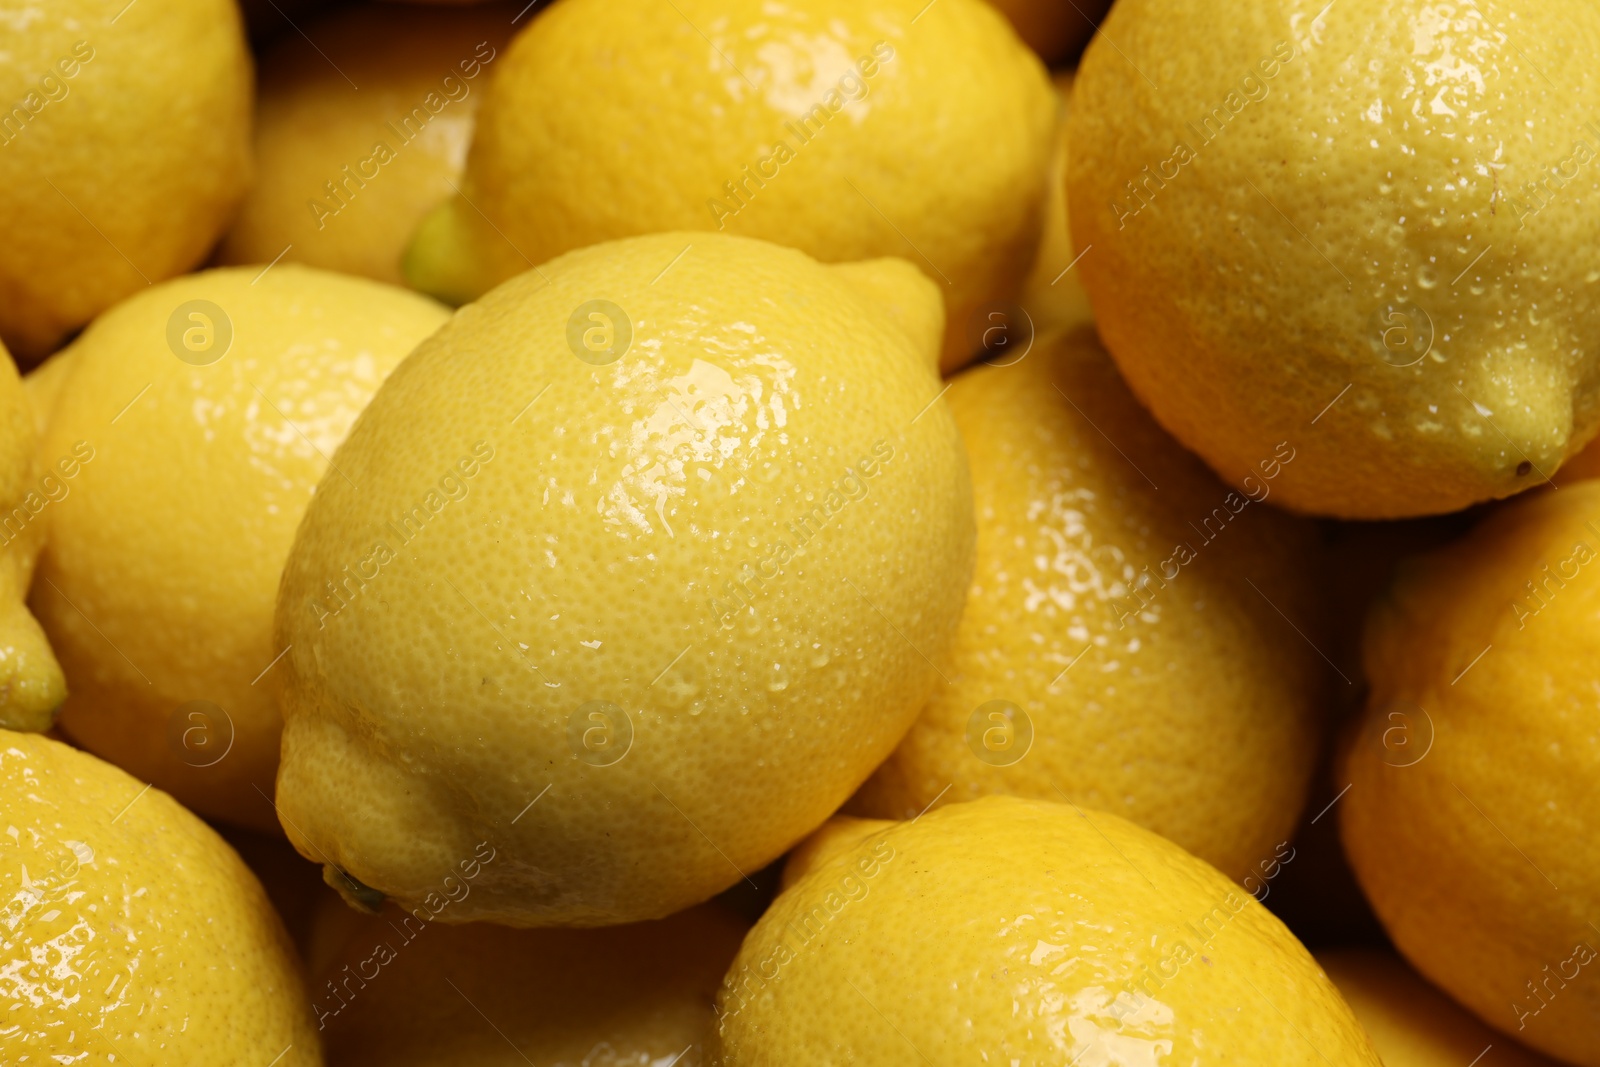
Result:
134,932
1124,619
932,142
1471,774
695,589
1061,933
1297,227
192,472
391,151
125,149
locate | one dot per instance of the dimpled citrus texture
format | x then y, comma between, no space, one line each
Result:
124,147
1368,232
1019,931
1412,1024
696,593
166,545
31,683
1472,803
1052,294
1128,604
390,151
837,127
132,932
624,996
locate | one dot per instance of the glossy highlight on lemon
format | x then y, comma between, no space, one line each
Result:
1124,643
1022,931
1364,228
133,933
195,419
653,557
1468,819
847,130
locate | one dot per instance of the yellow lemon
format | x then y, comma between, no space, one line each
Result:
404,991
847,130
133,933
1052,294
1018,931
1132,638
1411,1023
43,386
344,176
31,682
1056,29
1471,805
189,432
670,533
124,148
1366,227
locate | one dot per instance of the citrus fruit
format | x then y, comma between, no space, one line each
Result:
644,533
1051,294
358,136
1411,1023
31,682
1137,635
1364,228
847,130
1021,931
124,148
405,991
189,431
1471,778
133,933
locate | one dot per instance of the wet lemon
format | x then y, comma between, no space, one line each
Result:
132,932
191,424
1020,931
1130,639
847,130
1313,222
124,148
1471,778
345,169
654,554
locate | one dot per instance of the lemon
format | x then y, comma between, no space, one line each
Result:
1130,640
124,148
1056,30
1411,1023
43,386
1471,796
1365,228
31,682
843,129
133,933
404,991
653,528
1052,295
344,176
1018,931
189,432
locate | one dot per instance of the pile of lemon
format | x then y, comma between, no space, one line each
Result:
668,533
